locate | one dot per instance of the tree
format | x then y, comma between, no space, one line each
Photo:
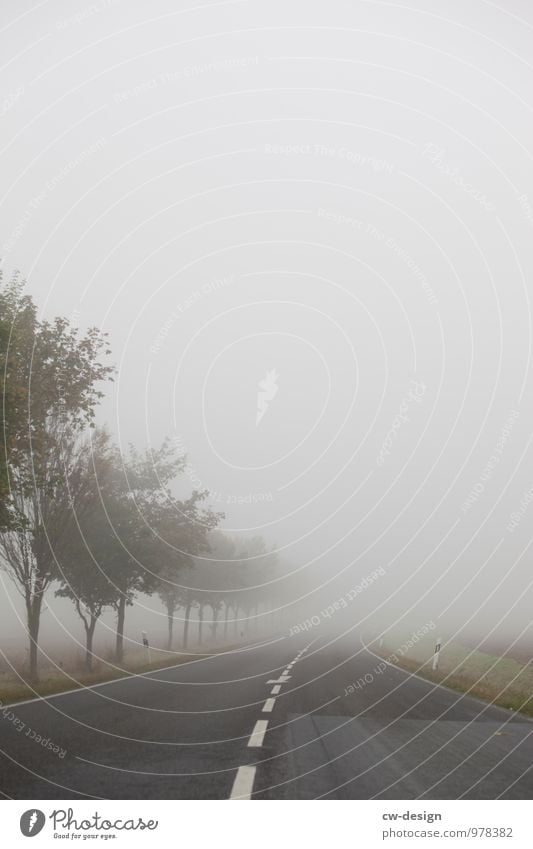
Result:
243,567
172,597
217,573
134,508
6,406
189,603
60,372
258,563
234,577
86,543
17,318
158,533
32,549
183,534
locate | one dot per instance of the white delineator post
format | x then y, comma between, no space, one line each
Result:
146,645
437,653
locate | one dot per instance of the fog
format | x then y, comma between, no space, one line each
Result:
306,229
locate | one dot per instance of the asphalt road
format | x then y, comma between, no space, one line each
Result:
216,728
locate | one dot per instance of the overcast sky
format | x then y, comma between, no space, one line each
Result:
334,200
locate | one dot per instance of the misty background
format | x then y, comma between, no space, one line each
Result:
337,199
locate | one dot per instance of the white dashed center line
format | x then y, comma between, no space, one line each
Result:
244,782
258,733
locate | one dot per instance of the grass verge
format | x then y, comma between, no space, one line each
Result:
13,689
500,680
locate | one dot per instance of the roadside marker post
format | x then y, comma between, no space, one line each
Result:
146,645
437,654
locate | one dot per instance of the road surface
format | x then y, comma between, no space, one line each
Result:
272,721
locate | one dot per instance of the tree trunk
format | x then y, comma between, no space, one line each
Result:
33,632
214,625
121,615
226,618
33,609
170,615
186,626
89,634
200,624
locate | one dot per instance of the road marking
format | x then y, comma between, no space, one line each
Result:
281,680
310,644
244,782
275,690
258,733
269,705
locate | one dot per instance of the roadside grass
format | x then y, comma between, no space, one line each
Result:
500,680
14,688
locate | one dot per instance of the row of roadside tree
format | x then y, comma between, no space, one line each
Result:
95,524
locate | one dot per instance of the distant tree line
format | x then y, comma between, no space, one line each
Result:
100,524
